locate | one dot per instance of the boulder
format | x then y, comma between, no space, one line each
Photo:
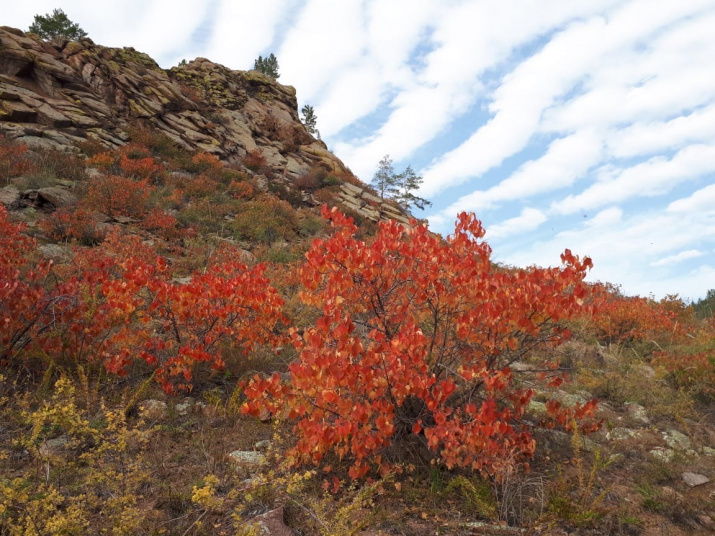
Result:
9,196
676,440
694,479
56,196
273,523
153,410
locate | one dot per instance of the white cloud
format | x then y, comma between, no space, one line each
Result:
467,41
244,30
564,162
528,220
565,61
606,218
625,249
701,200
678,257
655,177
646,138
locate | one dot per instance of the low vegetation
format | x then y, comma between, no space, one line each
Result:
180,317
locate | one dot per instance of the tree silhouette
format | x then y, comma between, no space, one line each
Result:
268,66
56,26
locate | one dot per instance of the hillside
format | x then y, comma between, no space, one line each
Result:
211,326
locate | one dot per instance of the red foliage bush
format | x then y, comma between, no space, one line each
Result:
115,195
414,345
163,224
134,151
200,186
102,160
14,159
116,304
307,181
204,162
692,366
241,190
254,160
143,168
22,294
66,224
626,319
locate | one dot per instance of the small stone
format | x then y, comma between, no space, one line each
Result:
184,408
537,408
645,370
620,433
677,440
9,195
695,479
637,412
616,458
707,451
56,252
663,455
263,445
250,459
705,520
570,400
53,447
153,410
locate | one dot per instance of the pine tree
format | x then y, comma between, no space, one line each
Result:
409,182
268,66
385,180
310,119
400,187
56,26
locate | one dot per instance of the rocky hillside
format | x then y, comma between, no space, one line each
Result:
140,369
59,95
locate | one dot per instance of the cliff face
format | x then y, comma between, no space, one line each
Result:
56,95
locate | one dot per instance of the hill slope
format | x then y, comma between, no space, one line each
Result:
162,255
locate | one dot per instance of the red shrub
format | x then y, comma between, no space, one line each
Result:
118,196
14,159
204,162
163,224
144,168
102,160
414,345
22,294
254,160
241,190
66,224
624,319
200,186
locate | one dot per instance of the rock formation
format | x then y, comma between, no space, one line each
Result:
57,95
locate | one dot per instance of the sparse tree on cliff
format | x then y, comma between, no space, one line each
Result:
400,187
56,26
408,182
385,180
310,119
268,66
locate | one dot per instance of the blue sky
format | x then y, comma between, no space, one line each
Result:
581,124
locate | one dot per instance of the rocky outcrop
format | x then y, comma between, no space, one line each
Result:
367,204
56,95
60,94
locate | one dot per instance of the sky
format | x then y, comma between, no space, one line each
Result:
580,124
